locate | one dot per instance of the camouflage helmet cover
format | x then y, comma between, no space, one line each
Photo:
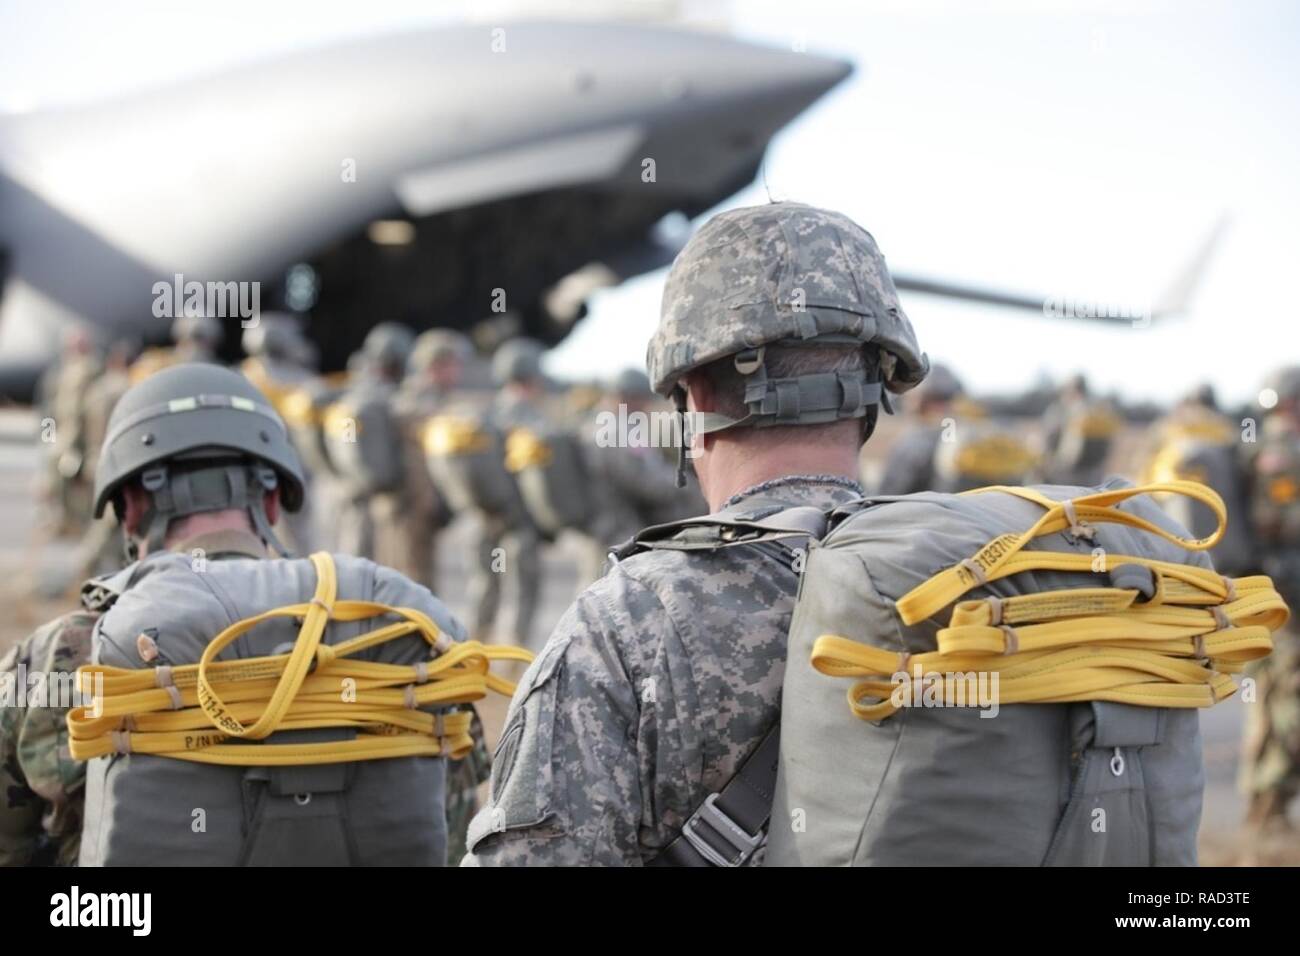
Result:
784,271
191,412
274,334
197,327
388,344
519,360
435,345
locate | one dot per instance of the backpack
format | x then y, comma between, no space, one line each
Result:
1082,619
465,454
553,479
363,439
225,733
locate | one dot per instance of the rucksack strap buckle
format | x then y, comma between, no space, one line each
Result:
718,838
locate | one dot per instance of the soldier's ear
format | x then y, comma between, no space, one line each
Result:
272,505
699,393
136,505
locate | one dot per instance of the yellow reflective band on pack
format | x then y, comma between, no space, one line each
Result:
340,421
526,450
449,435
208,712
1175,648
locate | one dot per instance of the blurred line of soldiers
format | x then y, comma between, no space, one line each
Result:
396,449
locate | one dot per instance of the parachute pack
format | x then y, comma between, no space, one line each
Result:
1016,686
300,731
552,477
466,458
363,440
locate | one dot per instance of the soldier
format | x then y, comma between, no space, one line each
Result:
196,466
509,541
910,465
1270,769
364,442
632,484
1079,431
647,729
274,365
196,336
665,673
433,376
65,409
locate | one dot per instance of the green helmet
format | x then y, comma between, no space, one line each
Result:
519,360
387,345
198,437
436,345
275,335
790,274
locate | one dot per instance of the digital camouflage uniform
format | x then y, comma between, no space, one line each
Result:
654,686
1270,768
41,786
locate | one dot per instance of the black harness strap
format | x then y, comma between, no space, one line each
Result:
730,825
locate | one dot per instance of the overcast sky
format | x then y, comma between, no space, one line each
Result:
1062,149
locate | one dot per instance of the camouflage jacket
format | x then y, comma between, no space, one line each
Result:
41,786
656,684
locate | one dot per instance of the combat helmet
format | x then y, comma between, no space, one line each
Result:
276,335
197,327
434,346
387,346
199,438
792,275
519,360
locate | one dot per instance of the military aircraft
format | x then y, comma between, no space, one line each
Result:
434,177
484,178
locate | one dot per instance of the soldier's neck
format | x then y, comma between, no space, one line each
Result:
729,467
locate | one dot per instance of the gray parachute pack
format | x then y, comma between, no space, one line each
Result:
1088,783
149,810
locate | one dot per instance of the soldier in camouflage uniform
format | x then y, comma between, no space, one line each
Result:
64,428
633,485
1270,770
431,385
41,786
196,337
510,546
780,327
185,476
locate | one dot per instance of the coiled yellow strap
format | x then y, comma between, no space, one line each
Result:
1173,649
201,712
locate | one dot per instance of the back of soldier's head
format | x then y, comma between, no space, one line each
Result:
197,330
518,362
197,438
386,349
274,335
438,350
790,315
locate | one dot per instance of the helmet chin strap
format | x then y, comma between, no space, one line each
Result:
218,487
818,398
